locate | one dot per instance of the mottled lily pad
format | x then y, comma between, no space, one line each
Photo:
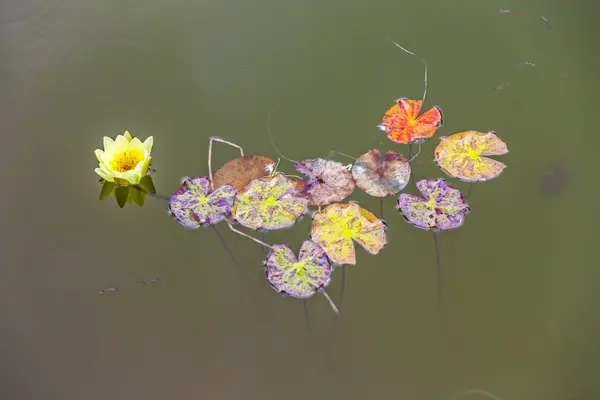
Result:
402,122
193,205
336,227
442,207
327,181
269,203
462,155
240,171
301,277
381,177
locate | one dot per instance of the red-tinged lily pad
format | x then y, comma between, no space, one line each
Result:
442,207
269,203
193,205
301,277
402,122
327,181
381,177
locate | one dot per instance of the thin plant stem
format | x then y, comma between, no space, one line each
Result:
339,153
410,159
469,190
210,142
306,315
424,63
438,270
341,300
410,152
227,249
477,391
263,237
271,135
155,195
331,303
249,237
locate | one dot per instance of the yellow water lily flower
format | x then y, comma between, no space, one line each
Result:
124,160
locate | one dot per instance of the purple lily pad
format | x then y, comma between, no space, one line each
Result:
194,206
302,277
442,206
327,181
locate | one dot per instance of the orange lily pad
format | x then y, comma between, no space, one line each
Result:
402,122
463,155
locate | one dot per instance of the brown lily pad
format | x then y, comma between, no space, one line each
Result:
240,171
327,181
381,176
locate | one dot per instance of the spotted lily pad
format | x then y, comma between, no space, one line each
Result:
240,171
442,207
462,155
269,203
381,177
336,227
301,277
327,181
193,205
402,122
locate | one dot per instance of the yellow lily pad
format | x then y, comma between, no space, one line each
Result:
337,226
463,155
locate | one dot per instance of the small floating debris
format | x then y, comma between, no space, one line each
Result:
507,12
501,86
112,289
155,280
545,21
523,64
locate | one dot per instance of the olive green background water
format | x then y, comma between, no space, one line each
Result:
519,315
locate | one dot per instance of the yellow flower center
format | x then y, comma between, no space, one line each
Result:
348,233
430,203
127,160
299,267
270,201
473,154
202,200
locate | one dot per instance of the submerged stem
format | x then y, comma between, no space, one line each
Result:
438,270
341,300
331,303
155,195
476,391
469,190
227,249
306,315
249,237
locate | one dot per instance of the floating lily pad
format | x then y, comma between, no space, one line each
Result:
442,207
402,122
240,171
193,205
301,277
462,155
327,181
381,177
269,203
336,227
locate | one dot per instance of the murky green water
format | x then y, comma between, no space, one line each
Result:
519,278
